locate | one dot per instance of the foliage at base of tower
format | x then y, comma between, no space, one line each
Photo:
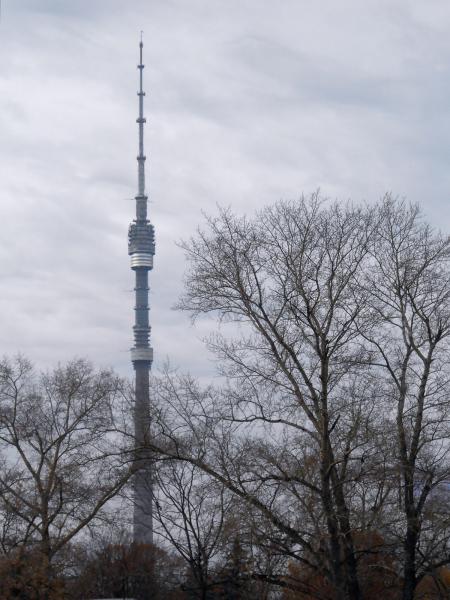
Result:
25,575
136,571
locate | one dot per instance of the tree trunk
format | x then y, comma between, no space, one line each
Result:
338,515
333,530
351,565
409,567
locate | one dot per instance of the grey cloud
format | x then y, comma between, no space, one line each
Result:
245,105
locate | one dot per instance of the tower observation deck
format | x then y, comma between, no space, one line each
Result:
141,248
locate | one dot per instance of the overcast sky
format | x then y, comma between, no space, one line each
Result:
248,102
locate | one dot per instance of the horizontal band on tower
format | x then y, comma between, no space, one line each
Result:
142,354
141,259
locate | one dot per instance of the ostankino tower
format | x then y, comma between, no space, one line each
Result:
141,248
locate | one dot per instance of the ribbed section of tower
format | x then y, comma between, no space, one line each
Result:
141,248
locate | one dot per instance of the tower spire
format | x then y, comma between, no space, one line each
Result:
141,120
141,248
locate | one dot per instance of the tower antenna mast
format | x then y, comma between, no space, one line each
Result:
141,248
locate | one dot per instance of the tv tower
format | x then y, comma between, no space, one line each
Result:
141,248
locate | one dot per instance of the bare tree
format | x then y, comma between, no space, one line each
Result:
62,458
290,279
190,510
333,347
410,297
112,566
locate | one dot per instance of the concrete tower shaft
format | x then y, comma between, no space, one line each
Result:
141,248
